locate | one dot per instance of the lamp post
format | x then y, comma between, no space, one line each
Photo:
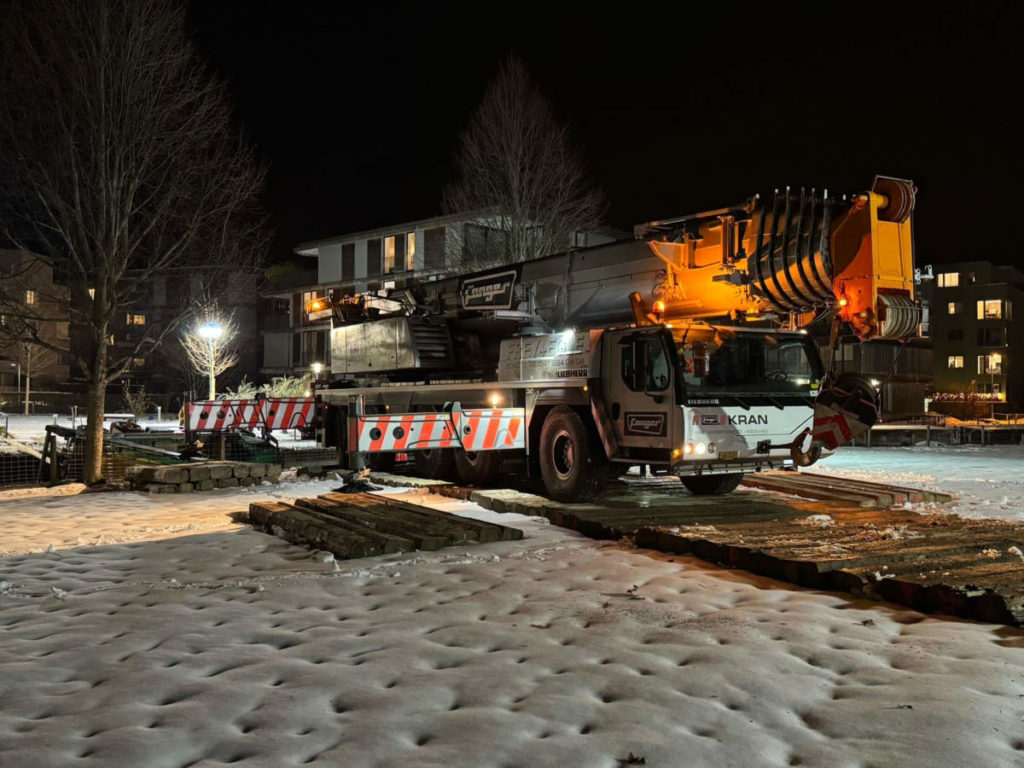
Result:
211,331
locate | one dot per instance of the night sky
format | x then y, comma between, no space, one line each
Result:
358,107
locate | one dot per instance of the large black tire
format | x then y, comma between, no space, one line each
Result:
477,467
711,485
572,461
435,464
380,462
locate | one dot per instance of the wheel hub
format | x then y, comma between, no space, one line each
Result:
564,458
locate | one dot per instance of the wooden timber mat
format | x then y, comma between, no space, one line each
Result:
352,525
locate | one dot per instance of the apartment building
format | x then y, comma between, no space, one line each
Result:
978,341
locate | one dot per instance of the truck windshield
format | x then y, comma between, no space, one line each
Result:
726,360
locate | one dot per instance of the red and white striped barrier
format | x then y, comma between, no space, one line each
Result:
474,430
378,433
269,413
493,429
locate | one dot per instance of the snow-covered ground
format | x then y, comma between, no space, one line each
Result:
195,641
989,480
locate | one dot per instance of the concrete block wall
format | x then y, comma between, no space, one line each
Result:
205,476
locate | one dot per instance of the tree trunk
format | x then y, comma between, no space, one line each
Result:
92,470
28,376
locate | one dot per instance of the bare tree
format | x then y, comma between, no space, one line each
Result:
122,164
516,166
211,354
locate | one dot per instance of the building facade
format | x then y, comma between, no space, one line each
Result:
373,261
31,304
978,341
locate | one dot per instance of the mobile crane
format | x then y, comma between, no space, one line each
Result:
684,348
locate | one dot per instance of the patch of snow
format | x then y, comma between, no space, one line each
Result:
986,480
224,645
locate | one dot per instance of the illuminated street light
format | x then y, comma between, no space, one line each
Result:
211,331
317,368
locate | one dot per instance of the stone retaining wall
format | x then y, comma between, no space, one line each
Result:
205,476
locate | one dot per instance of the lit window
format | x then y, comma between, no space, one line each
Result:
953,307
92,293
389,255
990,309
410,251
134,319
138,362
30,297
956,361
991,364
949,279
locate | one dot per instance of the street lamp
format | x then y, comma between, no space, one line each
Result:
317,368
18,366
211,331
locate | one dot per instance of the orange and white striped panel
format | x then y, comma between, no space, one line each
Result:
491,429
394,432
208,415
288,412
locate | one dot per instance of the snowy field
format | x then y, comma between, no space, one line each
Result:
988,481
193,641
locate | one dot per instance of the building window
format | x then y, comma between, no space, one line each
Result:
373,257
133,318
955,334
410,251
138,362
953,307
955,361
949,279
991,364
389,255
990,309
30,297
348,261
991,337
92,293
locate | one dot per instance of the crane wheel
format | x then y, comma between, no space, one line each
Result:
711,485
477,467
572,462
435,464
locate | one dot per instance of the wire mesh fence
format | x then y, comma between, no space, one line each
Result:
61,458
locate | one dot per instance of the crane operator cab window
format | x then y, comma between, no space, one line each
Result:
725,360
645,365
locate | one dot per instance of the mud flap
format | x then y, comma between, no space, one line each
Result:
845,410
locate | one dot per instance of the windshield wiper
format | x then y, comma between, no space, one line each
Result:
742,403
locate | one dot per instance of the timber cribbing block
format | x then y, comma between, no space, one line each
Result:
363,524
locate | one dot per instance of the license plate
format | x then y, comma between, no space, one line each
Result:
729,455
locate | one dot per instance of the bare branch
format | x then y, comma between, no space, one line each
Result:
119,163
516,165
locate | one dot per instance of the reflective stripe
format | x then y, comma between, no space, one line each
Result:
270,413
490,430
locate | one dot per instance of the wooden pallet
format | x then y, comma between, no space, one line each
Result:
364,525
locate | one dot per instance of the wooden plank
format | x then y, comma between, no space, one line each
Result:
415,536
301,528
487,532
